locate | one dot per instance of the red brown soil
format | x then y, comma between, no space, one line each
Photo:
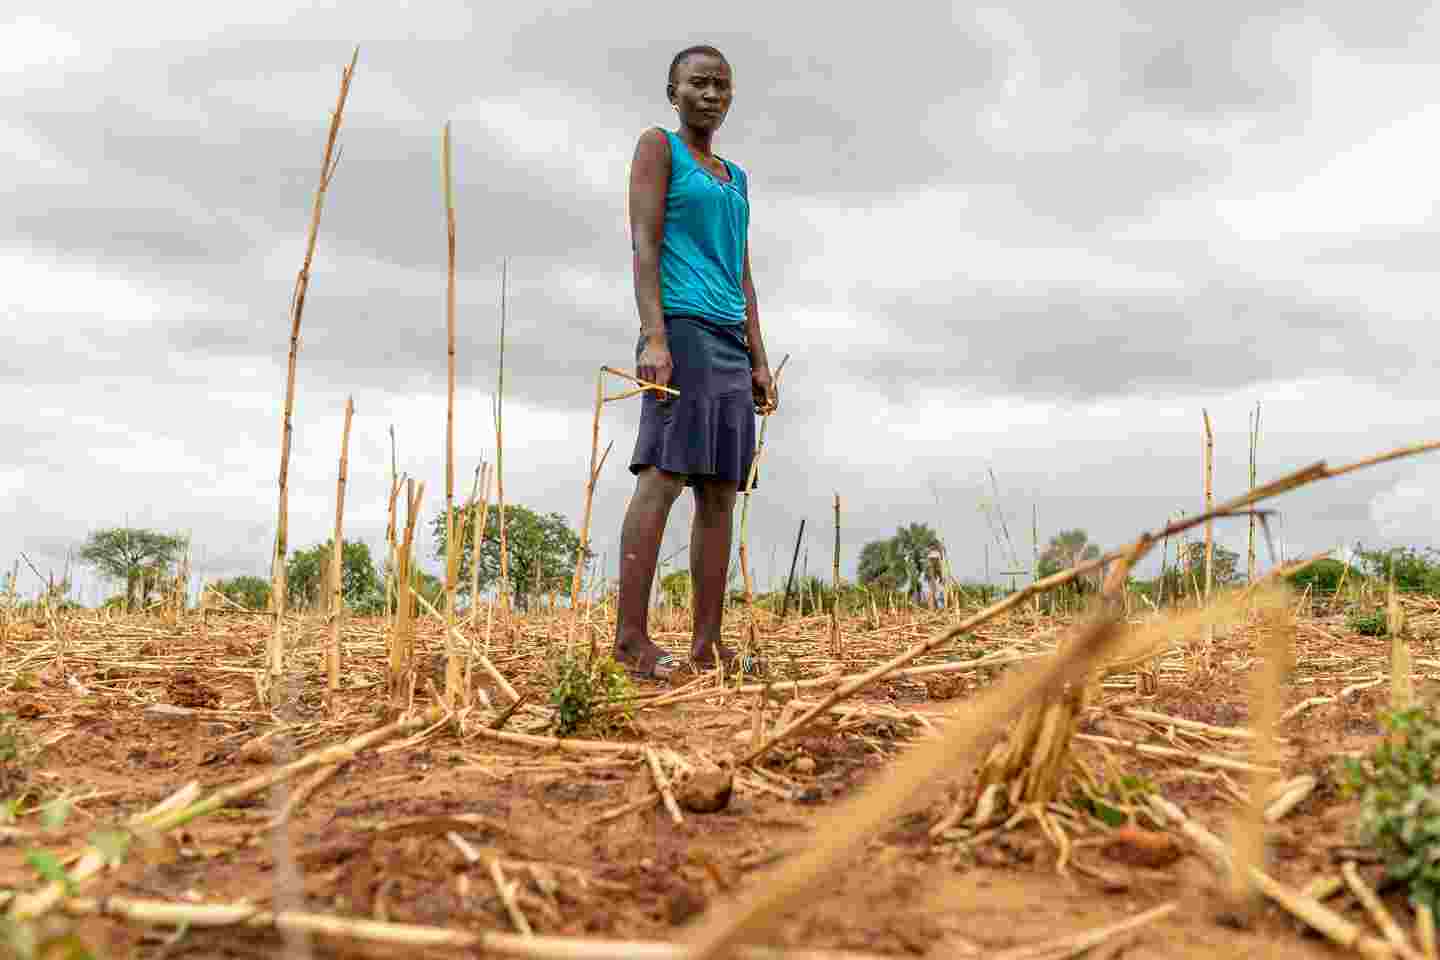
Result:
640,876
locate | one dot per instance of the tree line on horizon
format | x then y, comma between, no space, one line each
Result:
911,565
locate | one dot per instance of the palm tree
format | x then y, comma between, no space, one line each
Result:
914,544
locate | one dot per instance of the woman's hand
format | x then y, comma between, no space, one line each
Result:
654,364
767,397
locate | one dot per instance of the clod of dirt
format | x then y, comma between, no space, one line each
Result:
186,690
945,688
1143,848
258,750
708,791
168,713
683,904
803,765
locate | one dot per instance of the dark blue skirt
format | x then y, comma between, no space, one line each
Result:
709,430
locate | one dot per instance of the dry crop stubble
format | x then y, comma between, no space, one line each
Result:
841,832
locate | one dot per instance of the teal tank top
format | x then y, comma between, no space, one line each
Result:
702,256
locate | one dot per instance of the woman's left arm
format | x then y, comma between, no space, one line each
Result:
763,387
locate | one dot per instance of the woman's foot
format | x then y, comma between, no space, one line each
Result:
644,659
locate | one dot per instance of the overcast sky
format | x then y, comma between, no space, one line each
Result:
1031,238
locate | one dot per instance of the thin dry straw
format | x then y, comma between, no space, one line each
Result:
490,943
480,517
454,538
337,557
390,532
1209,503
500,447
402,634
835,650
328,164
1254,445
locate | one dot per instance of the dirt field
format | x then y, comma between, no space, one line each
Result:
378,839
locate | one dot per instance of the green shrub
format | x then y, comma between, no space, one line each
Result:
578,687
1414,570
1399,802
14,749
1324,576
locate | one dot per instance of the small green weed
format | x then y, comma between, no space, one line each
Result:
14,751
1400,800
1114,803
1372,624
578,687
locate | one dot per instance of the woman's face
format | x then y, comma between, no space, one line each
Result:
702,92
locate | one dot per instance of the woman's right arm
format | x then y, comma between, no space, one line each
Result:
649,180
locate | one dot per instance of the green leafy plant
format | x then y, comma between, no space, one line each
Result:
14,747
1368,624
1400,800
1112,803
578,687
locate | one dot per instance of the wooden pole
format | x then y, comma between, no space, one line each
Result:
276,652
1209,504
500,448
790,583
1035,550
337,557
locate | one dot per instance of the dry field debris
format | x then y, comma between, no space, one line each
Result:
964,782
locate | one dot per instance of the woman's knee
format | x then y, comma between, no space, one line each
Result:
660,484
715,498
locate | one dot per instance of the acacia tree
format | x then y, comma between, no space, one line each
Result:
248,591
881,567
306,573
131,555
1225,564
542,550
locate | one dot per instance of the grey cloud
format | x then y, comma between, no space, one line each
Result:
121,231
1085,346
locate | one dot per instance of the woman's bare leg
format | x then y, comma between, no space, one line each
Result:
709,564
640,536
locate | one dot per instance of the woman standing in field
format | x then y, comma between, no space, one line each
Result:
700,335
